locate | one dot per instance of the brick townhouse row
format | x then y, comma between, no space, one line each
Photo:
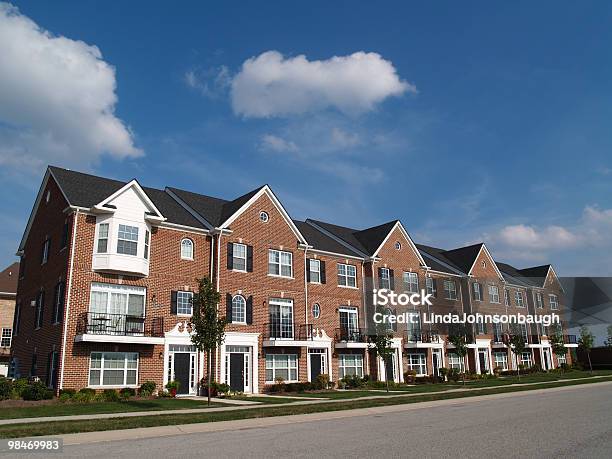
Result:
108,270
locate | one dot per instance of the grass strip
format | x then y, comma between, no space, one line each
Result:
66,427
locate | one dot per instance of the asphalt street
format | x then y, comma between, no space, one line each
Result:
575,422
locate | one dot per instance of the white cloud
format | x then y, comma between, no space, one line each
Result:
277,144
271,85
528,237
211,82
344,139
57,99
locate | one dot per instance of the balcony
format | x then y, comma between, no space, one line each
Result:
419,338
350,338
570,340
535,339
287,334
101,327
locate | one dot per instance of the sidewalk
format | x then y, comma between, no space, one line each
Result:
256,405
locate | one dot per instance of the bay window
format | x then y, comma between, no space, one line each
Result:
127,240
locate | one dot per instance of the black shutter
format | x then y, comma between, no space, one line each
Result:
322,266
228,307
54,305
62,299
42,308
391,279
173,296
307,269
249,310
230,255
379,277
249,260
394,324
435,287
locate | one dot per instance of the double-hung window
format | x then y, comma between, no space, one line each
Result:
350,365
506,297
493,294
239,257
184,303
411,282
45,251
518,296
7,335
281,366
102,246
455,362
417,363
554,303
147,244
526,359
40,310
347,275
450,290
539,302
314,268
501,360
430,286
113,369
127,240
280,263
385,278
477,291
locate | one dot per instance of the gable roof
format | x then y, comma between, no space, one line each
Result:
8,279
513,275
343,233
321,241
536,275
437,260
85,190
464,257
372,238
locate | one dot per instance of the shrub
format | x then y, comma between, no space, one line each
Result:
322,381
68,392
85,395
126,393
147,388
110,395
354,381
37,391
223,388
164,394
410,376
64,398
6,388
19,386
87,390
279,384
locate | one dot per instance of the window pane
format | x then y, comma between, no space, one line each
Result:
112,378
136,305
94,378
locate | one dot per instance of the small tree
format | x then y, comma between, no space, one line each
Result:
382,342
557,345
608,341
518,346
457,336
585,342
208,329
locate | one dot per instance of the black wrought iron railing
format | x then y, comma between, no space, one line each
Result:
288,331
431,336
570,339
535,339
101,323
351,335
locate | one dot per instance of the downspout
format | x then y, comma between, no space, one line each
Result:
306,286
217,363
67,313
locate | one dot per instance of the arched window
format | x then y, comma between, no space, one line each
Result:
238,309
316,310
187,249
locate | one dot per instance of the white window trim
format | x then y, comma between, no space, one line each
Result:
289,368
280,264
447,292
182,314
137,241
342,367
477,291
346,276
245,308
505,360
125,370
385,277
555,302
9,337
494,293
46,245
108,233
234,257
519,294
192,249
316,262
410,276
422,363
114,288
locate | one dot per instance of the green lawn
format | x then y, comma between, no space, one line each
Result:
66,409
266,400
64,427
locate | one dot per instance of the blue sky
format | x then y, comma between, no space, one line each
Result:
493,122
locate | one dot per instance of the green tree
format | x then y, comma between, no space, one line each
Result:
557,344
208,329
458,337
381,342
585,342
608,341
518,346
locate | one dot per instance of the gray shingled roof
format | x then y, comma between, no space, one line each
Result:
513,275
464,257
321,241
536,274
214,210
435,259
85,190
371,238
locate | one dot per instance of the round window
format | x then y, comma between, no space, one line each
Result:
316,310
398,245
263,216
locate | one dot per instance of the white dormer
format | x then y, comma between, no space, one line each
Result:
123,231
